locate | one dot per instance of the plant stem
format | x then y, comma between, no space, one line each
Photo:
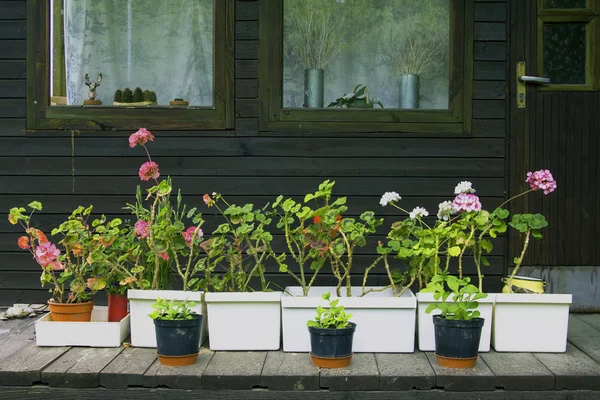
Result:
519,261
369,268
389,274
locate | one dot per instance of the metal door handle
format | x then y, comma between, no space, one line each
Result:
534,79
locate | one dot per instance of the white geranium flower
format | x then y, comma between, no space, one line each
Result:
348,96
464,187
389,197
445,210
418,212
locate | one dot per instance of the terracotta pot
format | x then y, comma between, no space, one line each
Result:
178,361
117,307
75,312
331,362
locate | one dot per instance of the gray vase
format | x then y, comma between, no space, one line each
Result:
314,88
409,91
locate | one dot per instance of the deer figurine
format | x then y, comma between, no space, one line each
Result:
92,85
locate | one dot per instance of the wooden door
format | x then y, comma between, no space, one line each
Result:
559,127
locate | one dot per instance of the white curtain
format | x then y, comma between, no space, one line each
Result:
157,45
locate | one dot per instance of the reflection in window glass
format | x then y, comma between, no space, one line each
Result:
399,49
164,48
565,4
565,53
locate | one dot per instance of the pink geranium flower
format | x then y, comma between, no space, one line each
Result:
141,228
142,136
188,235
149,170
45,254
541,180
164,256
466,202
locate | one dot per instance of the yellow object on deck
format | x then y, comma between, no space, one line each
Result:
524,284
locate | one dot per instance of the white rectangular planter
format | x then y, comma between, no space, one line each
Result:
244,321
96,333
426,331
531,322
384,323
140,305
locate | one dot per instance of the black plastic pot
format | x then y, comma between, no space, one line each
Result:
455,339
328,344
178,339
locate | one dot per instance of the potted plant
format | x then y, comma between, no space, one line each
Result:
163,244
316,31
177,329
236,254
319,235
414,44
530,320
428,250
458,327
359,98
72,270
331,335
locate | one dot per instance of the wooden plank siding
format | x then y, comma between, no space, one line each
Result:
65,169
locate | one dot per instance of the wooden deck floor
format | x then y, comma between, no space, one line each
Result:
28,371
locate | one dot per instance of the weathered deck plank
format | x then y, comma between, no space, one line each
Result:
79,367
234,370
289,371
128,368
188,377
405,372
480,378
24,365
515,371
573,370
362,374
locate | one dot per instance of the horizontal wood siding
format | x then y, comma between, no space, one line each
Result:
66,169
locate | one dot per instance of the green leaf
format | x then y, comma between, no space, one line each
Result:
191,212
36,205
454,251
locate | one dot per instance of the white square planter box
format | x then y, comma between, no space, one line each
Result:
531,322
140,305
384,323
244,321
96,333
426,331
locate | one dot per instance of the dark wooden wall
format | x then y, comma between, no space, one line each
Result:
66,169
559,131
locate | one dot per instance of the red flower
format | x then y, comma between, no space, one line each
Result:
23,242
207,200
316,219
40,236
164,256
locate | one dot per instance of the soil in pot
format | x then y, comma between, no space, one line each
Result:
177,341
117,307
330,347
457,341
72,312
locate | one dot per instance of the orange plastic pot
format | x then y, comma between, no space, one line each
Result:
75,312
117,307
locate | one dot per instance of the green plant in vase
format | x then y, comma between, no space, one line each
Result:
316,31
359,98
138,95
415,42
118,98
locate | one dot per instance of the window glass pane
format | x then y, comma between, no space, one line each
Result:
565,53
565,4
399,49
165,47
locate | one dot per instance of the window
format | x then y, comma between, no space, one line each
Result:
567,34
121,64
365,65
